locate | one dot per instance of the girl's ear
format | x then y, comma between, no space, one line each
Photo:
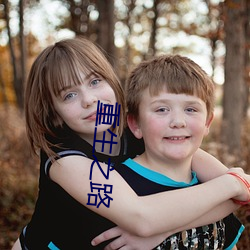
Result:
134,126
57,121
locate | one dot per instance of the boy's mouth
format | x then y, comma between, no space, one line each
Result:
177,138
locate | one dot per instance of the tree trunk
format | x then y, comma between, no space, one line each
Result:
152,41
247,61
105,35
14,62
79,17
234,76
3,89
22,74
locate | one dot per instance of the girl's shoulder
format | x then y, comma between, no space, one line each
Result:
67,141
65,144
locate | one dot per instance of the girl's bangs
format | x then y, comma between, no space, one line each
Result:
64,68
66,73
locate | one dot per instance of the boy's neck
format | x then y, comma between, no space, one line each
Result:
177,171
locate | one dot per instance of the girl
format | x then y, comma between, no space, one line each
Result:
64,86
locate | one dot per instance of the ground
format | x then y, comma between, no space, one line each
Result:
19,173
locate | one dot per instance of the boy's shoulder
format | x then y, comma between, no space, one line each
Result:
133,145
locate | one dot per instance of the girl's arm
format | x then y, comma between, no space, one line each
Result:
134,242
126,240
142,215
207,166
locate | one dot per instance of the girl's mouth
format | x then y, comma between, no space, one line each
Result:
91,116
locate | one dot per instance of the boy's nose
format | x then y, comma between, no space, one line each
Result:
177,121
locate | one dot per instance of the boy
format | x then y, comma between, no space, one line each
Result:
170,103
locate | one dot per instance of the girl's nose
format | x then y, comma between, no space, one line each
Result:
88,99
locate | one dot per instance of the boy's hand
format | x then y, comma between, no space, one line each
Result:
127,241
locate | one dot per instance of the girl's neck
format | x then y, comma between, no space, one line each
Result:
111,146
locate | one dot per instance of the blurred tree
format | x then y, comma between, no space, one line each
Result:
2,88
152,40
3,94
7,94
247,61
95,20
235,17
124,57
105,31
80,21
216,32
17,60
11,45
23,59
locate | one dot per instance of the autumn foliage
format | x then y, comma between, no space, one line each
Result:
19,173
18,176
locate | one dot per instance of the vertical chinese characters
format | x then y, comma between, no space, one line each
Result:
100,193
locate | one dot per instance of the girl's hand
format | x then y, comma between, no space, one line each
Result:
127,241
244,180
17,245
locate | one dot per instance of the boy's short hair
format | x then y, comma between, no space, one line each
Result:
177,74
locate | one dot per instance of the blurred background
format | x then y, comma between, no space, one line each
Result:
214,33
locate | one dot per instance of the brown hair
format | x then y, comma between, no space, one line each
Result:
178,74
58,66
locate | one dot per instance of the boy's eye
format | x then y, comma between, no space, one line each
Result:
190,109
69,96
163,109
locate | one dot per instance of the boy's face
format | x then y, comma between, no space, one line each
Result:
172,125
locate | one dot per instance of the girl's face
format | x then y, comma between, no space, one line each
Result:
172,126
77,105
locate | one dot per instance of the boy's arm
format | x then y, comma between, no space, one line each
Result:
207,166
142,215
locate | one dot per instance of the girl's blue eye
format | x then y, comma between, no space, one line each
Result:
69,96
95,82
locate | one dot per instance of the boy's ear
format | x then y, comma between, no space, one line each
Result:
134,126
208,123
